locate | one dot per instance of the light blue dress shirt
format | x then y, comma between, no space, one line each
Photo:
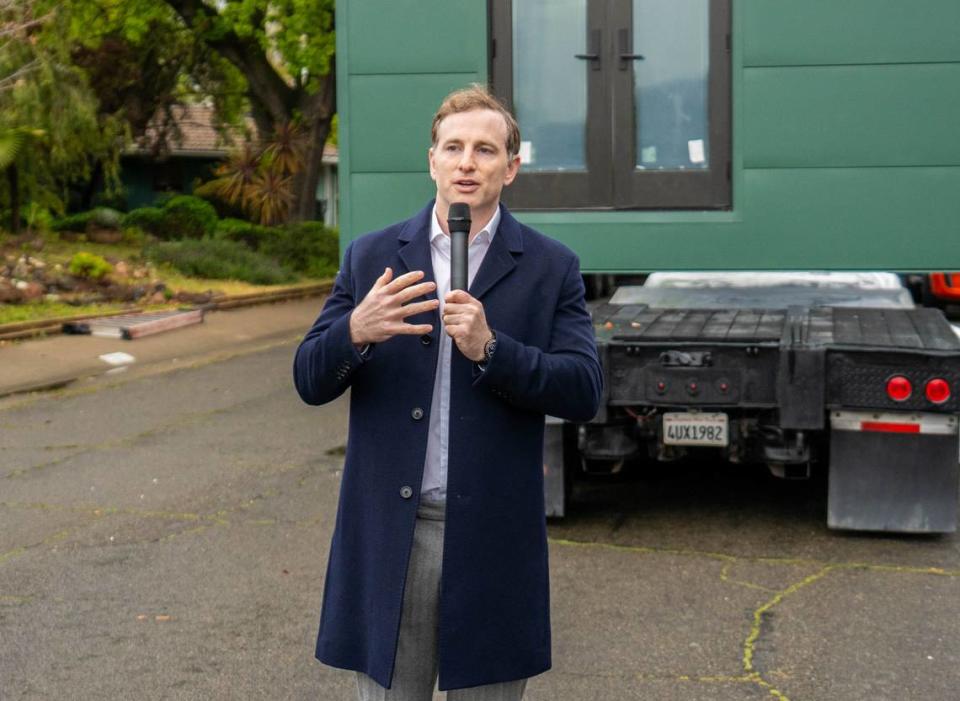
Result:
434,486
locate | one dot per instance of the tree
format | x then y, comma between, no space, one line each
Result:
279,53
47,115
285,51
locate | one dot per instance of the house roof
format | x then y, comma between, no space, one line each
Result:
200,138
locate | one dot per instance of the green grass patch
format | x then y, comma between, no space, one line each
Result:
37,311
219,260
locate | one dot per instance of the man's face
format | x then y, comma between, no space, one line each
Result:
470,163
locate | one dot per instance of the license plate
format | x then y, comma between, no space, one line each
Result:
695,429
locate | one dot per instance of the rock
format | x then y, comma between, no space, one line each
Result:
8,293
140,273
157,298
193,297
32,291
121,268
51,297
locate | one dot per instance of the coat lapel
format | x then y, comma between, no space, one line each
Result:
499,261
414,241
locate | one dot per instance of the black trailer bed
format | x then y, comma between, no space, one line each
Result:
917,329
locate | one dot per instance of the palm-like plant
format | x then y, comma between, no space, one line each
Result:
286,148
261,183
270,195
235,177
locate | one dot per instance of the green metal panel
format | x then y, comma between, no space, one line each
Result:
396,59
384,198
817,32
872,115
344,132
797,202
832,218
416,36
390,123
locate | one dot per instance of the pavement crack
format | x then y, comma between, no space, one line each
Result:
23,549
756,629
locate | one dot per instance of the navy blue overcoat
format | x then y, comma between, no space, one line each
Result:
494,600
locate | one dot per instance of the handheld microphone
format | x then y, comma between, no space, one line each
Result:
458,222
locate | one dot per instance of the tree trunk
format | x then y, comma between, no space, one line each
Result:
305,185
93,186
273,100
13,180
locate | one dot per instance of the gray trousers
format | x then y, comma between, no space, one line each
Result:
415,667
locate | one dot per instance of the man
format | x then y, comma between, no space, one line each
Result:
439,556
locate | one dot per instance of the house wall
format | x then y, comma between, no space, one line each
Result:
144,179
845,148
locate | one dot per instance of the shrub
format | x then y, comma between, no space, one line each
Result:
90,266
134,236
188,217
147,219
307,247
74,222
220,260
106,218
250,234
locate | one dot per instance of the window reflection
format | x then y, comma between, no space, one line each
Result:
670,83
550,84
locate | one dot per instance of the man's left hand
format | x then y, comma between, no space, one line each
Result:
465,322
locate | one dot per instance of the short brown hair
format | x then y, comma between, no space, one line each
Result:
477,97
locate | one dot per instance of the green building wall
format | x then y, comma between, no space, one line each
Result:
846,136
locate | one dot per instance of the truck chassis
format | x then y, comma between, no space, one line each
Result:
784,378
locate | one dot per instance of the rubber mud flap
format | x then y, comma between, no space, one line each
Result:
895,482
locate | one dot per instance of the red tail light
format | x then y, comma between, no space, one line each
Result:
937,390
899,388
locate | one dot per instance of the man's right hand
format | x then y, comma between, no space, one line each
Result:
382,312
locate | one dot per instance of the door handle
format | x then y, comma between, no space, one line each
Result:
593,54
626,50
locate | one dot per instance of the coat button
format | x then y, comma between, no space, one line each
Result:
426,339
417,414
406,492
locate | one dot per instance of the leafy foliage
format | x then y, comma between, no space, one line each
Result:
235,177
188,217
220,260
89,265
147,219
107,218
306,247
53,103
74,222
261,183
249,234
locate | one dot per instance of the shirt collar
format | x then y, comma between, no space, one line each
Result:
485,235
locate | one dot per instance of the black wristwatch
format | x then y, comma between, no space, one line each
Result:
489,348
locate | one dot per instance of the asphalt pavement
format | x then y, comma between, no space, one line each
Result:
62,360
164,532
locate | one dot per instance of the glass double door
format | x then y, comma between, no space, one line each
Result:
621,103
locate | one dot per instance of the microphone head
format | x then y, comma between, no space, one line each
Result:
458,217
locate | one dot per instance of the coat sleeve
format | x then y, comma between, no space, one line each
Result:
566,379
326,360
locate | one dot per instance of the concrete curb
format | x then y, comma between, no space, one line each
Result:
45,327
